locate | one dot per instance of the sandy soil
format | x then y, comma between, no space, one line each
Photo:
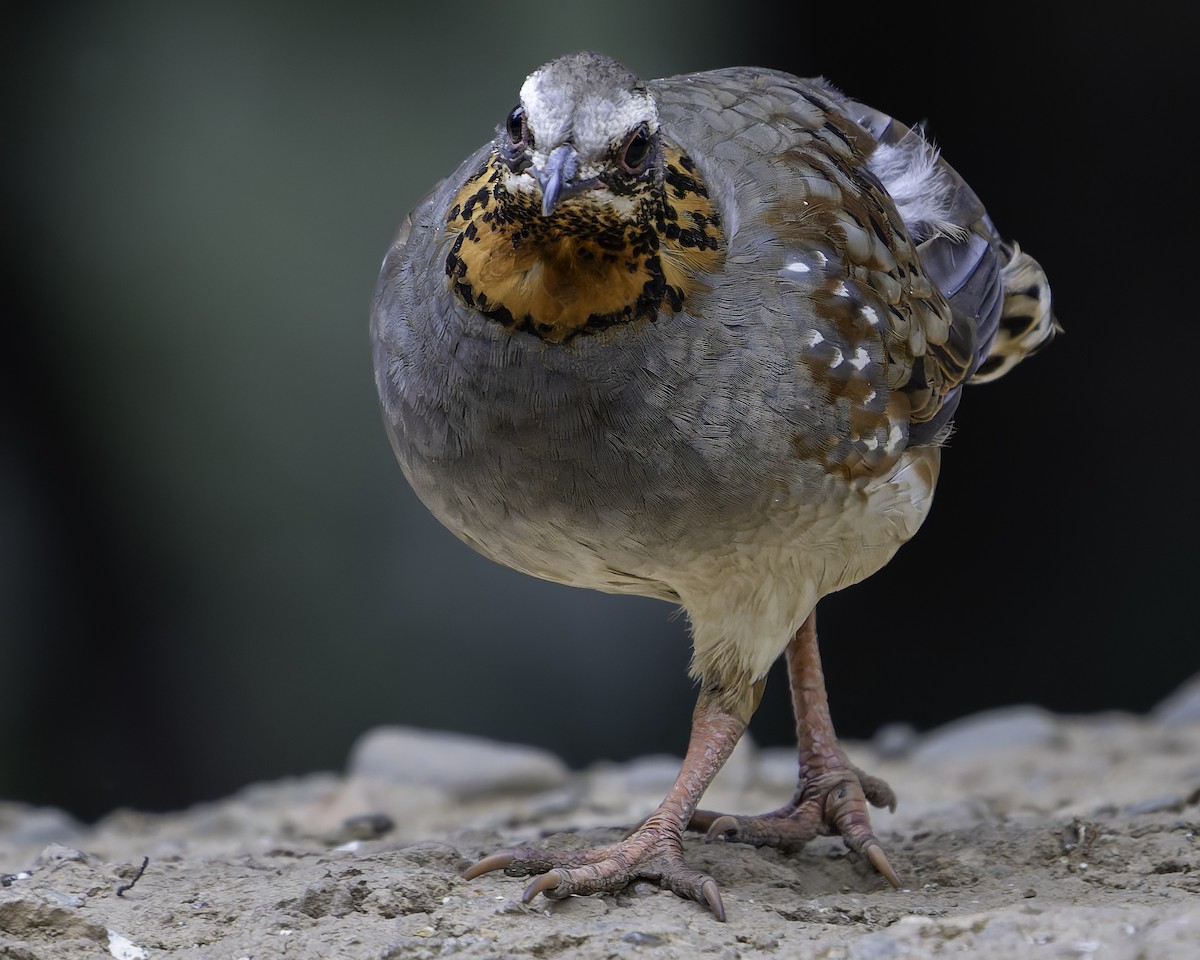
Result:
1018,834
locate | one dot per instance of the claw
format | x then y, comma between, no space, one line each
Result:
712,896
543,884
879,861
497,861
722,827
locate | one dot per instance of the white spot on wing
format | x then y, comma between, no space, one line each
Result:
837,358
811,337
860,359
870,315
840,290
797,266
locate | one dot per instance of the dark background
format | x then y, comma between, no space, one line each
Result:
211,568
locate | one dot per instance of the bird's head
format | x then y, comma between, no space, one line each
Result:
585,130
569,225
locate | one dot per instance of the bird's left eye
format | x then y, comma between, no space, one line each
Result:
636,150
516,125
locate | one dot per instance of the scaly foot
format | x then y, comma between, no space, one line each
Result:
653,852
832,794
832,802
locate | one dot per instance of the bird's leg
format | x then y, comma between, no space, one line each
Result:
653,851
831,796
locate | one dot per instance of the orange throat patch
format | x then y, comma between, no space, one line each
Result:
582,269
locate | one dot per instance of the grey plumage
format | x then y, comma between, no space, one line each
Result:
757,424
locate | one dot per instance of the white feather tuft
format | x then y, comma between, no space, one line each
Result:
924,195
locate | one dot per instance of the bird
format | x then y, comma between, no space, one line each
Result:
701,339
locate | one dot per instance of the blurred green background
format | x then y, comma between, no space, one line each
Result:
212,570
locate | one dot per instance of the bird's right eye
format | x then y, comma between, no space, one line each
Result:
516,126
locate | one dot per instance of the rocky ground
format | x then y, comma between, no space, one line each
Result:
1019,834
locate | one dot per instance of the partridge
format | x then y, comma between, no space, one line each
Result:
700,339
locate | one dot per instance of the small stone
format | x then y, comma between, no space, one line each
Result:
1180,707
63,899
1020,726
1168,804
778,768
739,771
57,853
895,740
122,948
462,765
650,774
367,826
639,939
22,824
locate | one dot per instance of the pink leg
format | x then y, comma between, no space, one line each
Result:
832,795
654,851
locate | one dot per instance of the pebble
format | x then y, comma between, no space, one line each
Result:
778,768
1165,804
739,771
640,939
649,774
56,853
628,786
894,740
62,899
1019,726
462,765
24,825
1180,707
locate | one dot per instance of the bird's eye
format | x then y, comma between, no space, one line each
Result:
636,150
516,125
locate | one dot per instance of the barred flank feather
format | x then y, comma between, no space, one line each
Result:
1027,321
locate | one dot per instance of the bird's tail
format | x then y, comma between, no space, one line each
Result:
1027,321
962,252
